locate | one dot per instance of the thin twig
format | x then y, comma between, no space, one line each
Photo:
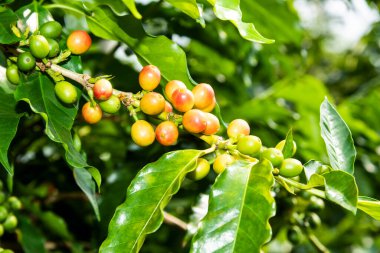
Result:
170,219
318,245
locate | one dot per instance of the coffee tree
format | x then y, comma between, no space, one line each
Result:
165,131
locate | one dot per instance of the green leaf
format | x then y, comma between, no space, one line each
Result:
8,127
32,239
288,147
230,10
117,6
7,19
338,139
370,206
55,225
341,189
39,93
189,7
311,167
132,7
239,209
33,15
147,195
83,178
96,176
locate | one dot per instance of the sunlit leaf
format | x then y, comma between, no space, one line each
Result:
370,206
288,146
7,18
33,15
132,7
189,7
338,139
239,209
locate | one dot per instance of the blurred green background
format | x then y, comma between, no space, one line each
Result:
323,48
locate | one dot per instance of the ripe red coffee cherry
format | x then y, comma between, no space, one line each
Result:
111,105
66,92
212,124
149,77
78,42
201,171
168,107
172,86
102,89
237,128
194,121
183,100
152,103
91,114
167,133
222,162
203,96
210,107
142,133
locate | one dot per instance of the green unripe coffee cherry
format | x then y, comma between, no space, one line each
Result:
294,235
10,223
14,203
249,145
316,204
26,61
1,232
66,92
281,144
291,167
53,48
3,213
51,29
312,220
12,74
7,251
201,171
1,185
2,197
222,162
39,46
273,155
77,142
111,105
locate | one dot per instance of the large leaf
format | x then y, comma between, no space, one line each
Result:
33,15
230,10
338,139
188,7
341,189
132,7
370,206
9,120
31,238
147,195
239,209
117,6
311,167
38,91
7,19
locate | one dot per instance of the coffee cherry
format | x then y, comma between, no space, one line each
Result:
281,144
66,92
26,61
78,42
3,213
51,29
183,100
315,204
171,87
53,48
111,105
291,167
249,145
39,46
273,155
10,223
212,124
168,107
210,107
201,170
12,74
152,103
194,121
237,128
312,220
203,96
294,235
14,203
102,89
91,114
142,133
167,133
222,162
3,196
1,234
149,77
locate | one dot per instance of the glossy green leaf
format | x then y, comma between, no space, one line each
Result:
370,206
338,139
311,167
7,19
39,93
239,209
33,15
341,189
31,238
189,7
83,178
117,6
8,127
230,10
147,195
55,225
96,176
132,7
288,147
